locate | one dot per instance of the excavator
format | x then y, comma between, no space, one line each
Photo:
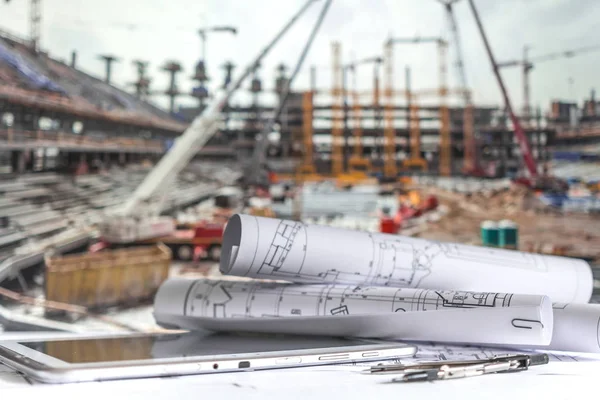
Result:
140,217
533,179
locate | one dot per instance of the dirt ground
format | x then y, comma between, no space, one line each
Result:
577,234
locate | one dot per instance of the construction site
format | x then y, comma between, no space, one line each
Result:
97,180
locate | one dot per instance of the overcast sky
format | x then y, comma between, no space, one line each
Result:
160,30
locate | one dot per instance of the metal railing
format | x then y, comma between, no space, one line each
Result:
83,108
62,139
583,130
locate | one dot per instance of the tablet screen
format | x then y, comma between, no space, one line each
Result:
165,346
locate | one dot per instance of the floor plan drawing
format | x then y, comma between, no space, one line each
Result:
353,310
292,251
288,235
395,261
230,299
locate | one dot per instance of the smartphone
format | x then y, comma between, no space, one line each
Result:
113,357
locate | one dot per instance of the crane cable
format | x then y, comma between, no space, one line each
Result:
259,149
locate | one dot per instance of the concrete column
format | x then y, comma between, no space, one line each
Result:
18,161
505,142
122,158
66,126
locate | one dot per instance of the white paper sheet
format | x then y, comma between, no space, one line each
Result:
348,310
270,248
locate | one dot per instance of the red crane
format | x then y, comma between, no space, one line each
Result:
521,137
536,181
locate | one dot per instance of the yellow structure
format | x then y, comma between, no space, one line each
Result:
415,159
390,168
337,131
359,167
107,278
469,139
445,134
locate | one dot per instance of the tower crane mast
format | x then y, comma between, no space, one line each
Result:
35,21
448,6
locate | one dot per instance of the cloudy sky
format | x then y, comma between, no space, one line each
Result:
160,30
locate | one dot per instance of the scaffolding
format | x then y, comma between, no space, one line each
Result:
337,131
469,160
306,168
390,169
445,135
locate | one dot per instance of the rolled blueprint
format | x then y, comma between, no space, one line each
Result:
349,310
269,248
576,328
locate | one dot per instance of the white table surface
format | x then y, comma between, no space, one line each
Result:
323,383
556,380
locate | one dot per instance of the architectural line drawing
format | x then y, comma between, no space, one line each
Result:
231,299
354,310
295,252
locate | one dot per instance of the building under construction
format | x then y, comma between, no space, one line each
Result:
54,116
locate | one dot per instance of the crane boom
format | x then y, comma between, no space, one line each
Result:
132,221
254,174
198,133
551,56
521,137
459,56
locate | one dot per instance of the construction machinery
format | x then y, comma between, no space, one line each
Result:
256,173
527,65
139,218
534,180
471,165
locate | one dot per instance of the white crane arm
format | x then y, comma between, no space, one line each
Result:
195,136
178,156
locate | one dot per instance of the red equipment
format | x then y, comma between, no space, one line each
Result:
189,244
534,181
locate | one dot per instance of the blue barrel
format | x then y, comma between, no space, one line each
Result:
490,233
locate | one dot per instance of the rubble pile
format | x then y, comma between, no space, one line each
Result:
510,200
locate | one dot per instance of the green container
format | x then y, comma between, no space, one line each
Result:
490,233
509,234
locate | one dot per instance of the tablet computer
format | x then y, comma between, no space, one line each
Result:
171,354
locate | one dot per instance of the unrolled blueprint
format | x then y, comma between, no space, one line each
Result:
269,248
350,310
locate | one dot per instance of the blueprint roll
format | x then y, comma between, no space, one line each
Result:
270,248
576,328
350,310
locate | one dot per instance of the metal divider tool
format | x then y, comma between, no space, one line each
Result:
440,370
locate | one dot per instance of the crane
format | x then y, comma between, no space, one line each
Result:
255,174
527,65
139,218
535,180
35,22
523,143
471,161
460,66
